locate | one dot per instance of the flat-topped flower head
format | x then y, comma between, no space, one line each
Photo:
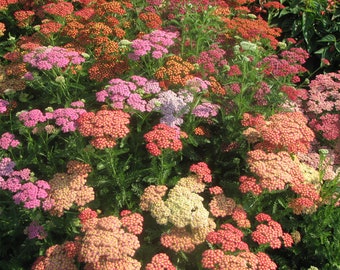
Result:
163,137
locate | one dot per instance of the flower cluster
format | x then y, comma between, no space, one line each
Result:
287,64
270,232
282,131
323,103
183,209
156,42
3,106
212,59
107,245
163,137
206,110
172,105
176,71
120,93
217,259
32,194
8,140
34,230
47,58
203,172
58,256
245,28
105,126
160,261
229,238
70,188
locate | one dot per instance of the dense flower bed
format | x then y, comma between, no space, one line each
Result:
164,135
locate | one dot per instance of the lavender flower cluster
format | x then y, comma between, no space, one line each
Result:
47,58
173,106
156,42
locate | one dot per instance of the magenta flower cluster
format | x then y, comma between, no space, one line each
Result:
8,140
156,42
3,105
121,94
287,64
212,59
65,118
31,194
47,58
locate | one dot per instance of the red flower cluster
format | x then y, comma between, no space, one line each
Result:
163,137
270,232
105,127
160,261
229,237
203,172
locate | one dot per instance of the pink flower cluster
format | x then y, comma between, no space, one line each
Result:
162,137
156,42
47,58
108,244
120,93
8,140
217,259
68,189
323,105
270,232
31,194
282,131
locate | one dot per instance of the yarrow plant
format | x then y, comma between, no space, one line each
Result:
166,135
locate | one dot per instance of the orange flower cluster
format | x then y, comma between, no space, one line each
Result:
282,131
24,17
176,71
151,19
69,188
251,30
216,87
104,126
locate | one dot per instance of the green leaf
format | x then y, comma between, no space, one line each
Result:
328,38
337,46
308,31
